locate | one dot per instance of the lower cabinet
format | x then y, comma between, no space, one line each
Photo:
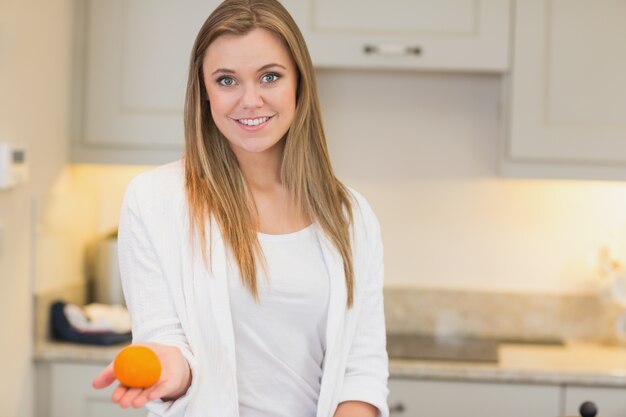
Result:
417,398
611,402
69,393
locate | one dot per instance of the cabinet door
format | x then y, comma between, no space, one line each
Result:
419,34
611,402
415,398
567,90
71,394
134,63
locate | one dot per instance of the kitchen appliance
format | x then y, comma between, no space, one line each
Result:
106,284
461,348
449,348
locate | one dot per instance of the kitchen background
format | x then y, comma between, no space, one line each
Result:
425,147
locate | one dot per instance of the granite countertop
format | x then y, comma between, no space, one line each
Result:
53,351
576,363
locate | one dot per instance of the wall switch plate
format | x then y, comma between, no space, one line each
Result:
13,166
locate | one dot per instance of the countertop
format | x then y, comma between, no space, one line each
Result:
574,363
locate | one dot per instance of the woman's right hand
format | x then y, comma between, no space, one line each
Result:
174,381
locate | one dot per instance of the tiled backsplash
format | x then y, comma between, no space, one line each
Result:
500,314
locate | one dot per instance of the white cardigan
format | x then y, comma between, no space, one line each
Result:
174,299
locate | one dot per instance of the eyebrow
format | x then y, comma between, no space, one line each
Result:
263,68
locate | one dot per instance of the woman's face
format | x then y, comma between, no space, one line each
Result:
251,83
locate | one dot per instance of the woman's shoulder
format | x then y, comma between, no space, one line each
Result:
158,184
360,205
361,209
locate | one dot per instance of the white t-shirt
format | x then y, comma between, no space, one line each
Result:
280,340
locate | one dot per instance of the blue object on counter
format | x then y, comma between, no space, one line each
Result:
63,330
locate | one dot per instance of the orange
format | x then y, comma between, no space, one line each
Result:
137,367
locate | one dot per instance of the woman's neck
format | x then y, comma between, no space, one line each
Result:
275,211
261,171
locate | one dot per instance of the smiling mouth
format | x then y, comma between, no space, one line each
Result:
253,122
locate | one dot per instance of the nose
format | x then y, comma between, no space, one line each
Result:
251,98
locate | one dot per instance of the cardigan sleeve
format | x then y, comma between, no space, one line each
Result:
147,294
367,367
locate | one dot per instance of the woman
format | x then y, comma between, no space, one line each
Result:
251,271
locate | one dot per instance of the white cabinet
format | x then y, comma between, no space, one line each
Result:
567,90
132,59
611,402
457,35
132,64
415,398
69,393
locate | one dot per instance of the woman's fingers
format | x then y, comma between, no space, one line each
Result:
147,396
161,390
153,392
129,396
118,393
104,378
135,397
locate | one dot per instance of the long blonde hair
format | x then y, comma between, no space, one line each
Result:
214,183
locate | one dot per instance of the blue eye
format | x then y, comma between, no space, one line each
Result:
226,81
270,77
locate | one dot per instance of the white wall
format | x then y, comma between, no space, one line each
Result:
34,102
82,207
424,149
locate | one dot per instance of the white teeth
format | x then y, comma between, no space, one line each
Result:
253,122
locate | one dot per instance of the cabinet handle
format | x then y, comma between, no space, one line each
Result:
396,408
588,409
392,49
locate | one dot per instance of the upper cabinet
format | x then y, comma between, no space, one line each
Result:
132,59
566,94
449,35
132,63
